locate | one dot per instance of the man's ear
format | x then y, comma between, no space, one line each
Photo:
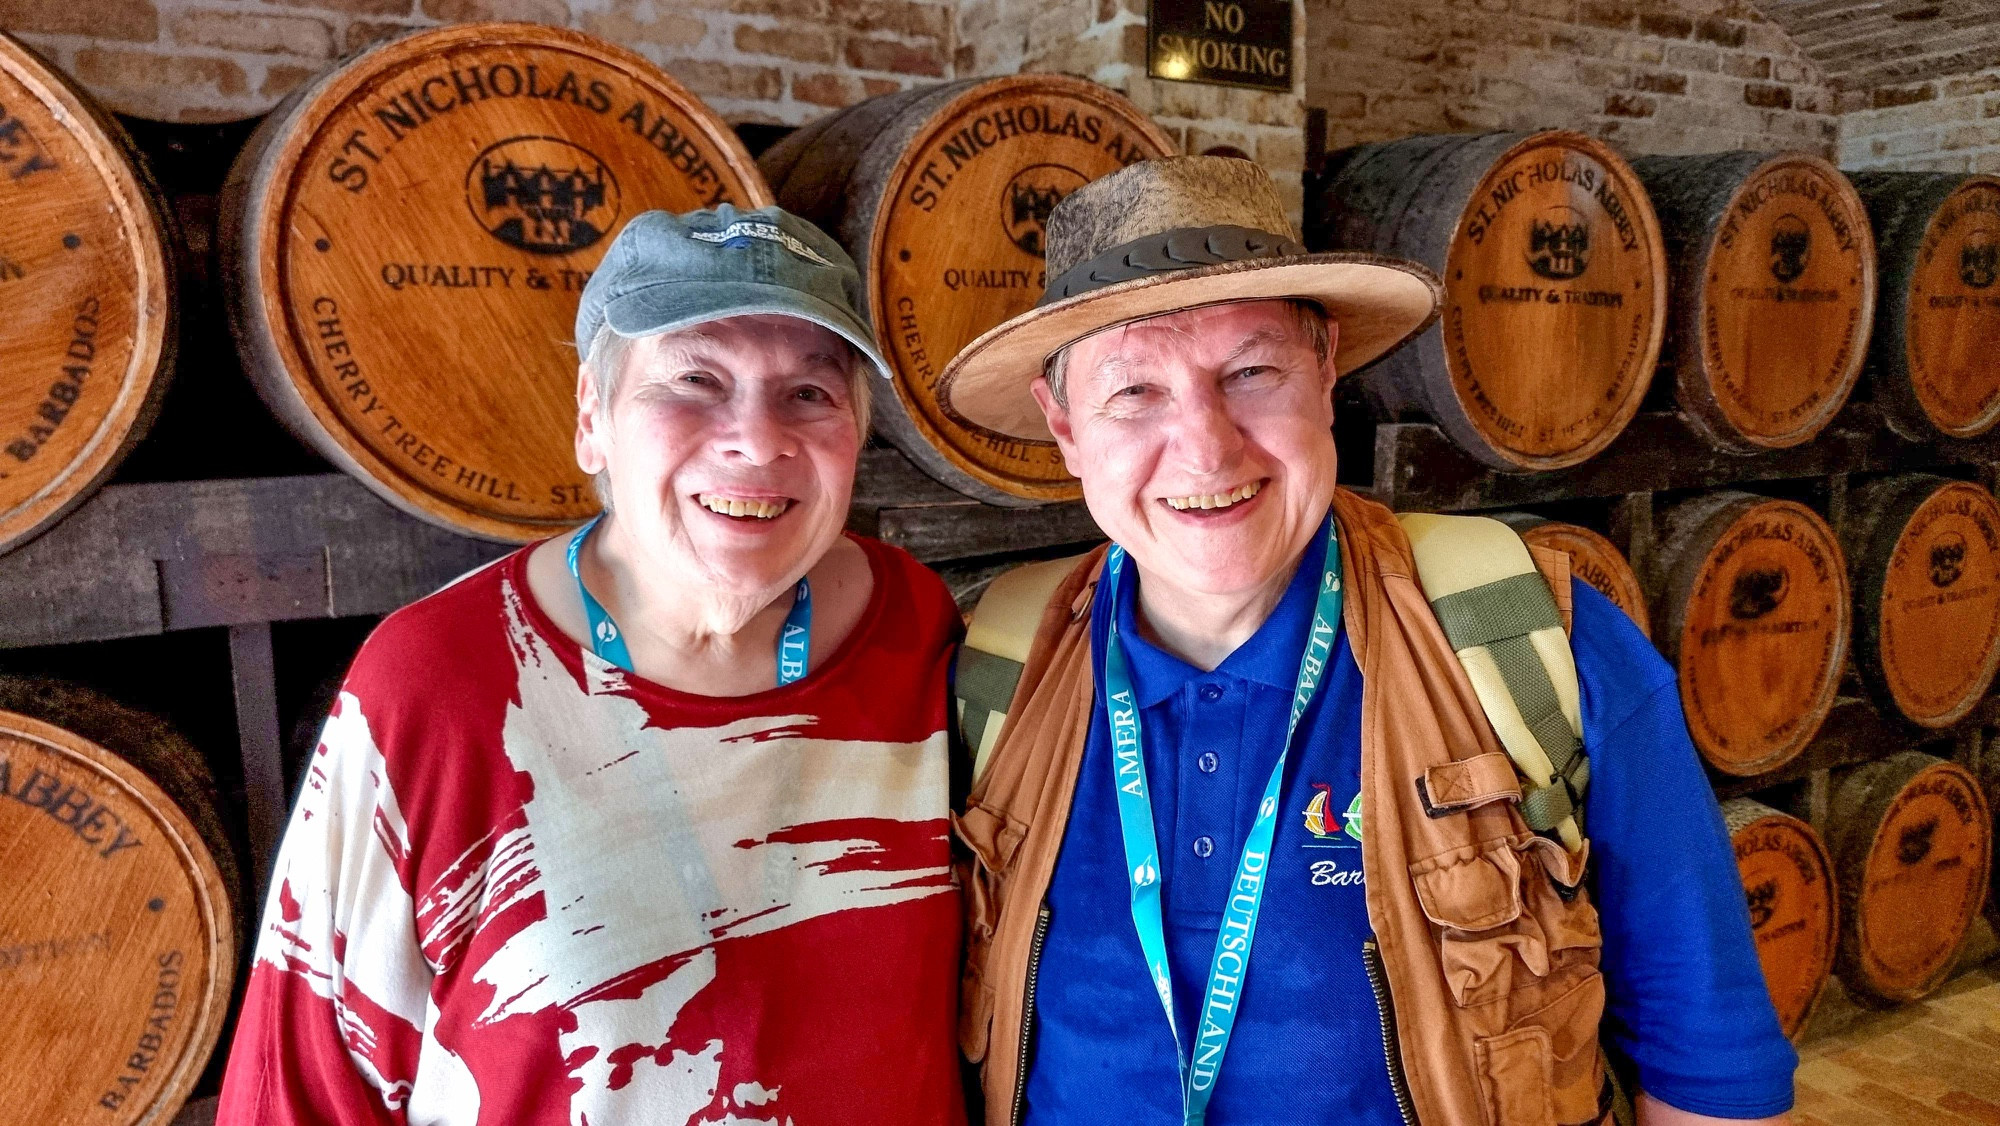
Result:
1056,414
591,432
1328,373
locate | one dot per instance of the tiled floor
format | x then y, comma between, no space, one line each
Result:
1934,1063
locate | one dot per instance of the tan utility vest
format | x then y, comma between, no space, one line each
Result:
1492,975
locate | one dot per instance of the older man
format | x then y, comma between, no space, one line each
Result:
644,824
1208,881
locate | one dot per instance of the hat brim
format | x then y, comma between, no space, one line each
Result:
1378,302
671,306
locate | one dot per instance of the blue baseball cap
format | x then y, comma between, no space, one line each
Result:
666,271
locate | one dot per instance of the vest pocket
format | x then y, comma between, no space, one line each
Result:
989,840
1503,925
1514,1071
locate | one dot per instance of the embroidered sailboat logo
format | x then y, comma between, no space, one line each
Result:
1326,826
1316,811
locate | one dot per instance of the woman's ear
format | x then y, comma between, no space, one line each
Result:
592,431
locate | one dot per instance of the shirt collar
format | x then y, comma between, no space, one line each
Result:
1270,656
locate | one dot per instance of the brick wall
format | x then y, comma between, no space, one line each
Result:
1666,76
774,61
1944,125
1105,40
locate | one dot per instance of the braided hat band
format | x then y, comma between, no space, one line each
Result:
1168,252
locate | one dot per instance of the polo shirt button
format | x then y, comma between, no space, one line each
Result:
1208,762
1203,846
1211,692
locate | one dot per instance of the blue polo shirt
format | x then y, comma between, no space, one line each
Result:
1687,1002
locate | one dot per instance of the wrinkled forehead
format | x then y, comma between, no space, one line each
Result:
1199,338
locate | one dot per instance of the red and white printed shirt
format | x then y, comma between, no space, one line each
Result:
522,887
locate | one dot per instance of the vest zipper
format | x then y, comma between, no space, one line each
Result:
1028,1014
1378,982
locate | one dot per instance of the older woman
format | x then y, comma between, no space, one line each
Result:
645,823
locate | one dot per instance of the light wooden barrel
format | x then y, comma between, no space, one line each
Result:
406,240
1774,291
1923,555
87,278
1592,558
940,194
117,924
1937,320
1555,286
1794,910
1912,840
1750,602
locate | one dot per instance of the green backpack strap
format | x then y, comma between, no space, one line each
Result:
1503,622
995,650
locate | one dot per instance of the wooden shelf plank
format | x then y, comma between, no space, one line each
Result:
1417,468
142,559
1855,733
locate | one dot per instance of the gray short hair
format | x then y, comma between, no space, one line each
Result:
1310,317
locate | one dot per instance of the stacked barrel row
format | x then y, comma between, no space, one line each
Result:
1759,604
405,313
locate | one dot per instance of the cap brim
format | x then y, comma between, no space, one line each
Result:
1378,302
669,306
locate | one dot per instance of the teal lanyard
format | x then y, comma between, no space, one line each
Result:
794,639
1226,970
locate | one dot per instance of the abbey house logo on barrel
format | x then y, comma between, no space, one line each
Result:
1791,244
1029,197
542,194
1979,259
1559,244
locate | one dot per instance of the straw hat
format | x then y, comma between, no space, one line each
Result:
1160,236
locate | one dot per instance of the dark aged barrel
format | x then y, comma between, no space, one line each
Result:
1555,285
117,928
1937,320
1794,910
1924,561
86,276
940,194
1912,839
1749,600
407,237
1592,558
1774,291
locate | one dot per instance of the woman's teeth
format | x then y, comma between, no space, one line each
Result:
732,506
1216,500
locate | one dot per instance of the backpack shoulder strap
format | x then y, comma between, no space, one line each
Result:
1504,623
997,640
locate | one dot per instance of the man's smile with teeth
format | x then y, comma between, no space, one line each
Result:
1215,500
737,506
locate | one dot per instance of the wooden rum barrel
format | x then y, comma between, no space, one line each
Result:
117,921
1794,910
1774,291
87,278
1912,840
406,240
1923,555
1555,285
1749,600
1592,558
1937,321
940,194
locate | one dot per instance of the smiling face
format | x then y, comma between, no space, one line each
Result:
1203,439
727,451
